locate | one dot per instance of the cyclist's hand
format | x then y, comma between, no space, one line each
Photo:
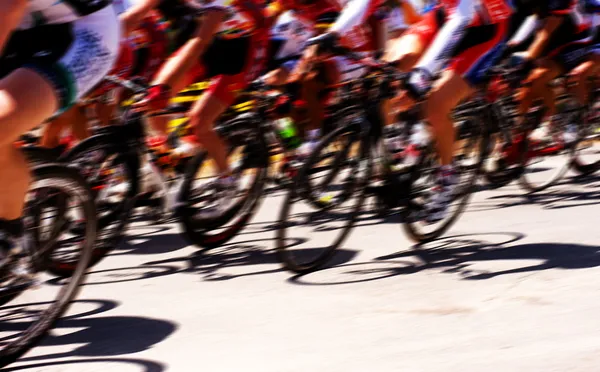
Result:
157,99
418,83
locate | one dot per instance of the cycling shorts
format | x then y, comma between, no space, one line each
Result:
73,57
479,48
232,64
569,45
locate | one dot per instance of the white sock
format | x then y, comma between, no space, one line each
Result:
314,134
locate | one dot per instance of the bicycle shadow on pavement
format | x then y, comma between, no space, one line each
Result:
122,275
148,239
406,262
91,333
124,364
212,264
560,196
456,256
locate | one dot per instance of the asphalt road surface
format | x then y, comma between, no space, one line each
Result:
512,287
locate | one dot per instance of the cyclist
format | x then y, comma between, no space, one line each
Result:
307,77
561,42
372,39
591,66
460,39
53,53
143,48
229,46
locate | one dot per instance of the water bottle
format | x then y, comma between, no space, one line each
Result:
288,133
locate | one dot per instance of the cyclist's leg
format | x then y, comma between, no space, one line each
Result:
447,92
203,115
537,85
406,52
581,78
53,130
32,93
26,100
479,49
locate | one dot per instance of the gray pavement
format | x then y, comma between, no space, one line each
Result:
511,288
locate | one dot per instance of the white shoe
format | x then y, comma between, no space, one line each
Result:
306,149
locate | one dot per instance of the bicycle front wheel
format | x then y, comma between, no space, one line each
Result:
324,207
35,306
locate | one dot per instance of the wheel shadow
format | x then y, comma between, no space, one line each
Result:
95,333
455,255
215,264
122,275
125,364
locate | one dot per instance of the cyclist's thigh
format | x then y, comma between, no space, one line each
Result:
26,100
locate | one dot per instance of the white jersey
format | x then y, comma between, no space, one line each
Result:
41,12
121,6
293,33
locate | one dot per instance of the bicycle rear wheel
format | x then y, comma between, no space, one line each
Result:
549,152
112,173
34,308
468,161
587,156
195,195
327,220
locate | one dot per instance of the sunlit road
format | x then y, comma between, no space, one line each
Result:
513,287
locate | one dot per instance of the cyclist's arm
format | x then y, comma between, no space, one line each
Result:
189,54
448,38
134,15
11,14
550,24
355,14
527,28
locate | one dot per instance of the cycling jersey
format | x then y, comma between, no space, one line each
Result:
244,17
465,35
313,13
41,12
288,39
237,54
72,44
569,43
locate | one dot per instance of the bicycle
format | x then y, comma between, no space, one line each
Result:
114,155
537,163
407,186
57,196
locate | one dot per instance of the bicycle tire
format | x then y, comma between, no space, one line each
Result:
526,184
34,334
311,191
200,232
410,225
578,164
118,219
298,191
